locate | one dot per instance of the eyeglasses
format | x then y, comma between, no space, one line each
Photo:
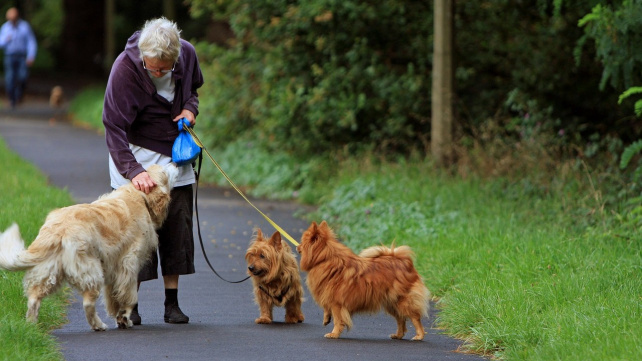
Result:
162,71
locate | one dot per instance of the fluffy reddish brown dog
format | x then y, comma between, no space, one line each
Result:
343,283
276,279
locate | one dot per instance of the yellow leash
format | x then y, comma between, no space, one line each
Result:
276,226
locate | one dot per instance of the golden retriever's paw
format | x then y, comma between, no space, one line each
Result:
331,335
263,320
417,338
125,323
396,336
99,327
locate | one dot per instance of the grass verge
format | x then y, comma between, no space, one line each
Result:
26,199
519,276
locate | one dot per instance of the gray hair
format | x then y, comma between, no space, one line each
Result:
160,39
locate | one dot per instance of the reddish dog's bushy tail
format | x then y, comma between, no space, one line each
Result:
419,294
398,252
402,253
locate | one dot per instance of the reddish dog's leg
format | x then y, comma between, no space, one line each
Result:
339,322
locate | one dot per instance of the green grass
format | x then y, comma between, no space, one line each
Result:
521,270
26,199
86,108
518,276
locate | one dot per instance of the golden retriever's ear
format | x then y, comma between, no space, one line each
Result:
161,176
275,240
157,204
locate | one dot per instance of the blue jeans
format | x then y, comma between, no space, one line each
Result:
15,76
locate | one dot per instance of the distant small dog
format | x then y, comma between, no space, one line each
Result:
343,283
91,246
276,279
57,96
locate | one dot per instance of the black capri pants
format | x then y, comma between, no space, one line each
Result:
175,239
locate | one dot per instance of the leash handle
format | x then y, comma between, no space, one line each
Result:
198,222
276,226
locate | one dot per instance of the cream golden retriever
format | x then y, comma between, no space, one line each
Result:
91,246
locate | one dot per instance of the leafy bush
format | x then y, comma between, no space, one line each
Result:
615,29
321,75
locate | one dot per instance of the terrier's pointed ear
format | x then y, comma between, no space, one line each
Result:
275,240
259,234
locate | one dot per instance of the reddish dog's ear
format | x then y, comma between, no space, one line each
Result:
324,232
275,240
314,232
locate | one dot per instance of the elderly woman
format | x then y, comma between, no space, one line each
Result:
151,86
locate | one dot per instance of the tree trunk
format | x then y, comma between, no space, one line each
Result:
169,9
81,50
442,84
110,35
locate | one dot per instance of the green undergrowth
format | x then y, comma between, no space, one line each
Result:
265,174
86,108
26,199
518,275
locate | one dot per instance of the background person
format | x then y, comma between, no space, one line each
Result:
20,46
153,83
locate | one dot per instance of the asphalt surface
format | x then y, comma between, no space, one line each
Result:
221,314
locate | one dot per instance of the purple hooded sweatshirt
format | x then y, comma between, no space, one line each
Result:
135,113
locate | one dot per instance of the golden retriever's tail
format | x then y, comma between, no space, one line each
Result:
12,249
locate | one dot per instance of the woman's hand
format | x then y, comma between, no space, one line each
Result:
191,118
143,182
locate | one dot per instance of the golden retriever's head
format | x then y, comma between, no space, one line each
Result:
314,245
164,176
264,256
159,197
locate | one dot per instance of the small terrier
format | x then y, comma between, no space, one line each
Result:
275,275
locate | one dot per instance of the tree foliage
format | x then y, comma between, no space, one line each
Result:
321,75
616,29
517,60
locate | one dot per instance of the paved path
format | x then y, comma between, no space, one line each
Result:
221,315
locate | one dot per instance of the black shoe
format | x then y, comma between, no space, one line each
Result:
173,314
135,316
